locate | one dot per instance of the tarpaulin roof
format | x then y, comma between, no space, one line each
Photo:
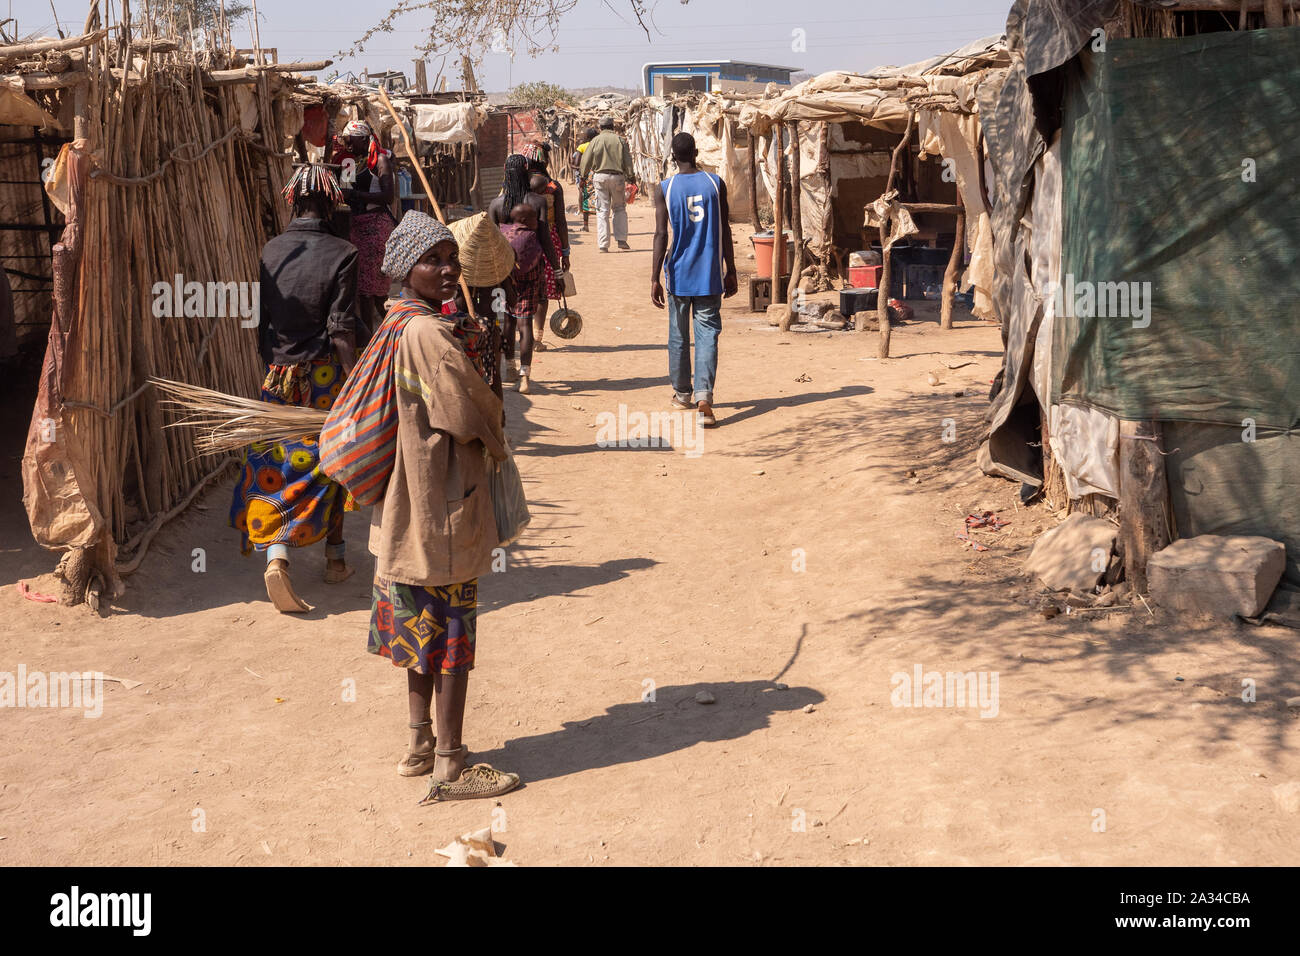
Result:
884,96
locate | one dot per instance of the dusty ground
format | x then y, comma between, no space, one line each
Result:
650,566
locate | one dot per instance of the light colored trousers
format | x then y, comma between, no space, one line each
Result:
611,197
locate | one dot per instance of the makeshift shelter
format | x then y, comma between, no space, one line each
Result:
445,128
853,151
723,146
168,186
1145,219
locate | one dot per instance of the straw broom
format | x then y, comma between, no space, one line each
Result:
230,423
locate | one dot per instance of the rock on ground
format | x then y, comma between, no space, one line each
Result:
1221,575
1068,555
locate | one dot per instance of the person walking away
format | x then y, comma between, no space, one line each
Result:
695,204
307,338
541,183
516,190
487,261
434,530
371,199
584,182
528,279
608,161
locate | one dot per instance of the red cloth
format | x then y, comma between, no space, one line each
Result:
314,124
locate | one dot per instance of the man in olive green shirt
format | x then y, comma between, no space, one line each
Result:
608,161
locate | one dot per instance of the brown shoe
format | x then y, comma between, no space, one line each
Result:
280,589
704,415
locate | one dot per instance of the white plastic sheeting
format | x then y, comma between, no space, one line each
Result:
1084,441
447,122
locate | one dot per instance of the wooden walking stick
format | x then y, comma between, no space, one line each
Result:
424,181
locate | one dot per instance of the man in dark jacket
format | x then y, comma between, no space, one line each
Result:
308,290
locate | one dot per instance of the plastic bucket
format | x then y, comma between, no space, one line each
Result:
763,255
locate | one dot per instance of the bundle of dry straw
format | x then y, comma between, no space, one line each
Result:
229,423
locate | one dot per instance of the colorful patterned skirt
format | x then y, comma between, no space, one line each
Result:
282,496
552,280
585,203
430,630
370,233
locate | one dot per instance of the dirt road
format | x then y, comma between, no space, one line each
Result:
791,569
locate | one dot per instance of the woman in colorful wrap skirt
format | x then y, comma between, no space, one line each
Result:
434,531
307,338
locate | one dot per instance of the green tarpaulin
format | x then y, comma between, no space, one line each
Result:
1161,140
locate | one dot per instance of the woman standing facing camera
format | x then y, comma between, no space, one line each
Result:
433,532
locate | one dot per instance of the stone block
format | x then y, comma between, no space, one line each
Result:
1220,575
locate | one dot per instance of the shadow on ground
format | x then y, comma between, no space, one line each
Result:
974,621
640,730
523,581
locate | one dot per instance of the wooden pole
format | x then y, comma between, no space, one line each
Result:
1273,14
778,219
796,227
257,36
1144,525
753,182
954,268
828,221
18,51
424,181
882,296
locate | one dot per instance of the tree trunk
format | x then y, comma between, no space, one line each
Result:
778,219
954,268
1144,525
796,227
882,296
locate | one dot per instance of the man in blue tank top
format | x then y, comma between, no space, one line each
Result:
698,272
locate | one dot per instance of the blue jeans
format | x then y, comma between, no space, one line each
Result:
708,325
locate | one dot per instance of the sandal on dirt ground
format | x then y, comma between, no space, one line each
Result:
415,765
474,783
280,590
337,575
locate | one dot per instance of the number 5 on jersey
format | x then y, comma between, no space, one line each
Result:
693,207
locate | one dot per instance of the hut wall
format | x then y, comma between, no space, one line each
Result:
29,226
185,183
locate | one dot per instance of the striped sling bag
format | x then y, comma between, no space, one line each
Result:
358,445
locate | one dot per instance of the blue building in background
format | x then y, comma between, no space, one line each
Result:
711,76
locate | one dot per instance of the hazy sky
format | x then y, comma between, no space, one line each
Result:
599,43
